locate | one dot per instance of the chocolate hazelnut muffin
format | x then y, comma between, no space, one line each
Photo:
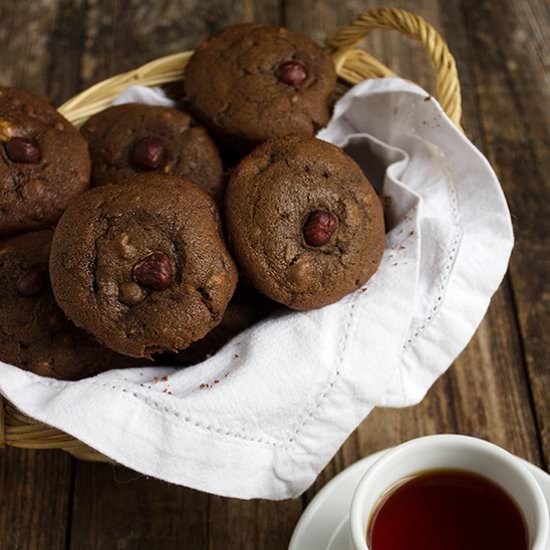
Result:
44,162
143,266
34,333
252,82
304,223
134,138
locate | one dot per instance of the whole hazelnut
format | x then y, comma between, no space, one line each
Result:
154,271
292,73
131,294
148,153
33,281
23,150
319,227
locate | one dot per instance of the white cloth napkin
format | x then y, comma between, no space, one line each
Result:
263,416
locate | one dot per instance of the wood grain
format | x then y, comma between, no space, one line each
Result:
124,35
512,69
498,387
251,524
25,29
35,486
66,45
35,489
115,508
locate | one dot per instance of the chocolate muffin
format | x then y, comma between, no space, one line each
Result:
252,82
34,333
304,223
143,266
134,138
45,162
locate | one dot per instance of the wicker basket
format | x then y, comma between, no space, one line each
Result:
352,65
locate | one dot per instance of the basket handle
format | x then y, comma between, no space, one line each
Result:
356,65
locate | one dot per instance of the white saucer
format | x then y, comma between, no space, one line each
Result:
323,525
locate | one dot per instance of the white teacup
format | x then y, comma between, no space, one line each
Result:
454,452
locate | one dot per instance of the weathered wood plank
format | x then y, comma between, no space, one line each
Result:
34,499
65,46
114,507
24,35
506,417
251,524
34,485
124,35
512,68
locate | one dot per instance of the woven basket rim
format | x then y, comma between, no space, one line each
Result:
352,65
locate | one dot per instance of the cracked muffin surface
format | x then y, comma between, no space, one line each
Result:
252,82
303,221
134,138
44,162
143,266
34,333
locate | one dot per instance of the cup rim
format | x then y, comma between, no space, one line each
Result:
356,510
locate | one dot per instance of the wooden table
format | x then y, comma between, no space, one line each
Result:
498,389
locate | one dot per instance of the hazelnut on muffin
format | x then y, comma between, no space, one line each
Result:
304,223
133,138
143,266
34,333
252,82
45,162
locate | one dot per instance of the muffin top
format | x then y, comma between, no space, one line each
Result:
45,162
134,138
34,333
253,82
304,223
143,266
